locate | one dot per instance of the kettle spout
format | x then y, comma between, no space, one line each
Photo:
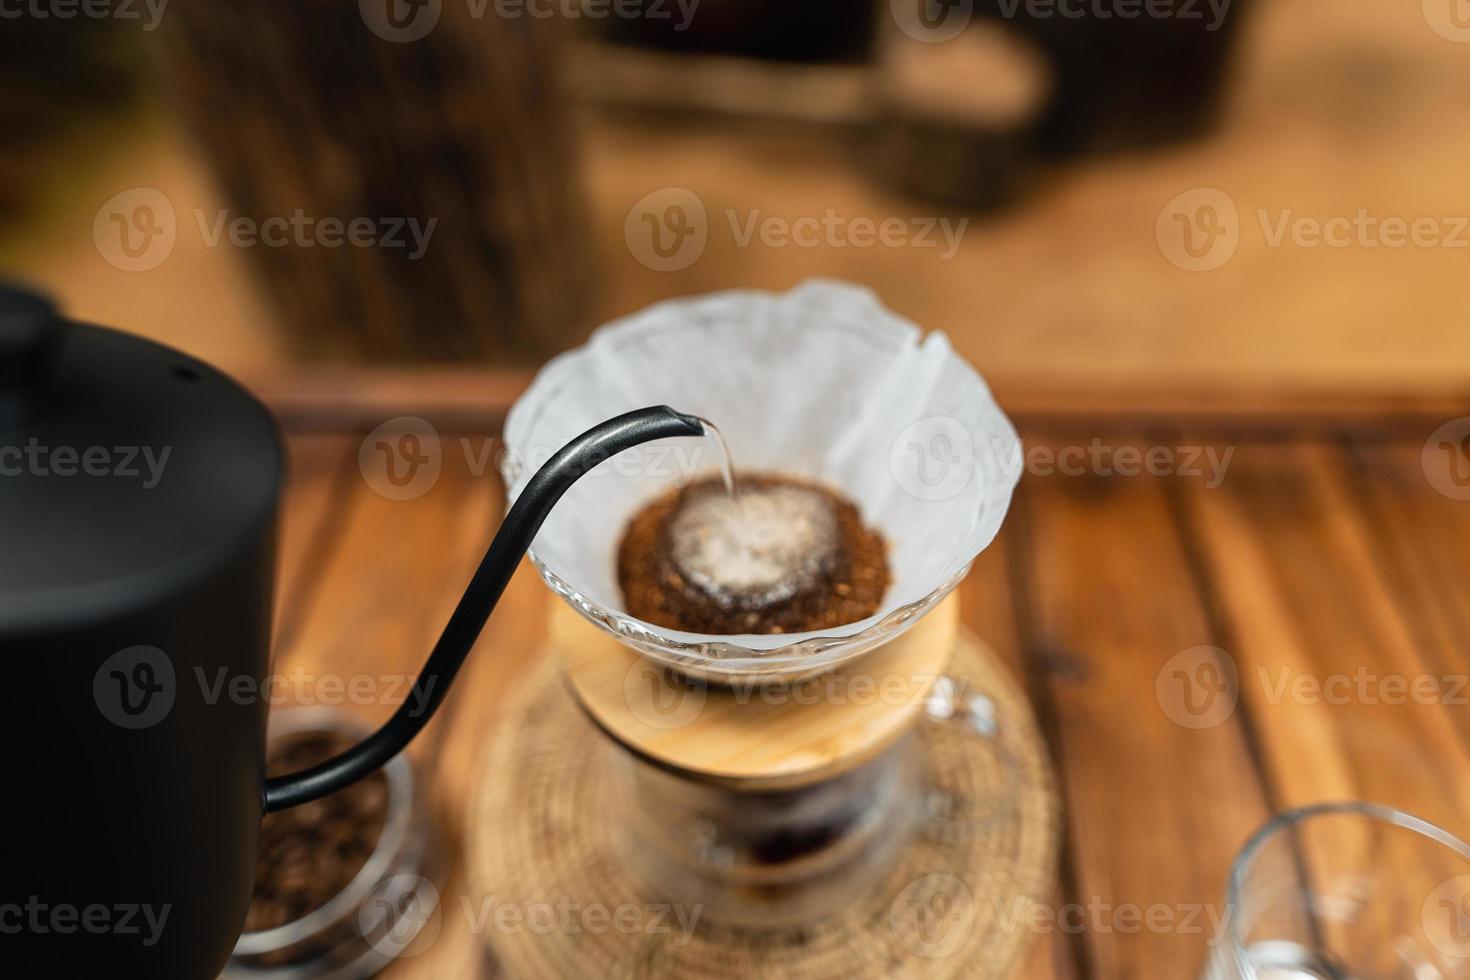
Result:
569,464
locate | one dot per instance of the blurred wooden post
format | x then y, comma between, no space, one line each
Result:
339,110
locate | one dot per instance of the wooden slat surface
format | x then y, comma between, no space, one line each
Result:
1156,808
315,471
1301,578
1423,540
332,399
988,606
1319,554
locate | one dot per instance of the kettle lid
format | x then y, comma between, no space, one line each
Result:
128,470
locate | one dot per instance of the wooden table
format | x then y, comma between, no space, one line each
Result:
1323,553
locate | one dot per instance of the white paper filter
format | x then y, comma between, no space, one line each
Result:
822,382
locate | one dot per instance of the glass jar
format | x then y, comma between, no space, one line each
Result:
770,857
384,907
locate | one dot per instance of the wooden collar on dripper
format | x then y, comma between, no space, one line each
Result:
747,737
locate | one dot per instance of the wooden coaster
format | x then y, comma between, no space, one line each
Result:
544,839
780,736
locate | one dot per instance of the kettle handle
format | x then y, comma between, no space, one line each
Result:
570,464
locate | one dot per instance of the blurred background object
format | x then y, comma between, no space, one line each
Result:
775,30
1053,144
462,135
60,79
1130,81
960,121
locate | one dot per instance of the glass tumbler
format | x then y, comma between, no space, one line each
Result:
1346,891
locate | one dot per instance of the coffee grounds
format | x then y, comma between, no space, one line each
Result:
310,853
837,576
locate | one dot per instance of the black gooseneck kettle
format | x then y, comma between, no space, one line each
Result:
139,491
